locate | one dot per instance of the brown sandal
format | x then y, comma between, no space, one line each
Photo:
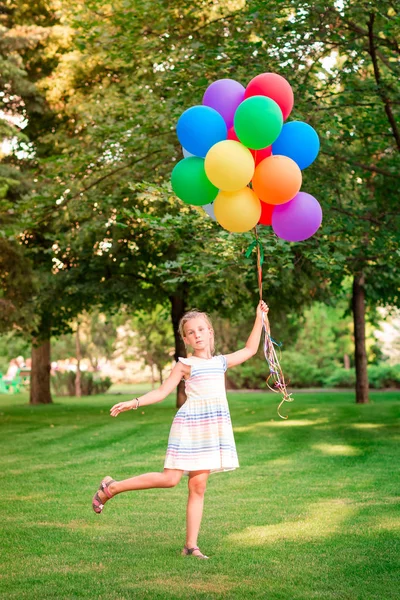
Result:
189,551
97,503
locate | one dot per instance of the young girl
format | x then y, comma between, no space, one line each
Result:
201,439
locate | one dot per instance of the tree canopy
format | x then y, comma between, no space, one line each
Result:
91,95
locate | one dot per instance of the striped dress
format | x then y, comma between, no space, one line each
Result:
201,434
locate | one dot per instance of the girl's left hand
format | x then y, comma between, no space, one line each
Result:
262,308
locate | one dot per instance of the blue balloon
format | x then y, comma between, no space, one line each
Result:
199,128
299,141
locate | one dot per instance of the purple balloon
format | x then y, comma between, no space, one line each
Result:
224,96
298,219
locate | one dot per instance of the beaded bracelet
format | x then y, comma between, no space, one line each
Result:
137,404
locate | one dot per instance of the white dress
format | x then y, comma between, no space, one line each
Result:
201,436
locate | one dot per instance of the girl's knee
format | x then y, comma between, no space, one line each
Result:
172,479
198,487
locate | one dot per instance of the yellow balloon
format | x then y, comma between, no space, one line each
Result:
229,165
237,211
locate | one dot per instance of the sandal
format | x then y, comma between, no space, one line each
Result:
97,502
187,551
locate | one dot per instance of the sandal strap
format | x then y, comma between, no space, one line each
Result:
97,503
104,487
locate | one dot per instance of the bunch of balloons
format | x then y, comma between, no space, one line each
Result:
243,164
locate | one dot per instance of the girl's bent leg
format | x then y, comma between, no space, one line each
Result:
168,478
197,487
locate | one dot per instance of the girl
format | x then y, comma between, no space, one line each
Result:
201,439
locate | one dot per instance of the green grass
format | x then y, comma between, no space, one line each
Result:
312,513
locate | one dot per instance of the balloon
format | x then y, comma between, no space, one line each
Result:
273,86
299,141
258,155
229,165
232,136
186,154
237,211
209,209
298,219
277,179
266,213
258,122
224,96
190,183
261,154
199,128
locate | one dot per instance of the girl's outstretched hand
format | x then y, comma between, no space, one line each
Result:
262,308
120,407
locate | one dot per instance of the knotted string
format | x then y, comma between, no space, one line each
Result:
275,380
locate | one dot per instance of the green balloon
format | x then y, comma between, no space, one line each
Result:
258,122
190,182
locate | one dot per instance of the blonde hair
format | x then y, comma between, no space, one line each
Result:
194,314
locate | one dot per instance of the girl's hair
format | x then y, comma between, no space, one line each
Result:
193,314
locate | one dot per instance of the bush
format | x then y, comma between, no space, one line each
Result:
340,377
384,376
298,371
379,376
250,375
63,383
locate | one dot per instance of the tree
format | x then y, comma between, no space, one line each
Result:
109,128
154,340
344,58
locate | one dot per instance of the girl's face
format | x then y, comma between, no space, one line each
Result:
197,333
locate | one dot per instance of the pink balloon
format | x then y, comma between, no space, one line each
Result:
298,219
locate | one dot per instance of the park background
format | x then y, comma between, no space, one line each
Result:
99,260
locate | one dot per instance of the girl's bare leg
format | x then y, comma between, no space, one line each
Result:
168,478
197,487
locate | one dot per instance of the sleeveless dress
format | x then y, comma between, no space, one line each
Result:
201,435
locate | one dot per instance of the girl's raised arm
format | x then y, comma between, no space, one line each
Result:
154,396
252,344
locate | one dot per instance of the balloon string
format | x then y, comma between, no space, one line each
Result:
275,380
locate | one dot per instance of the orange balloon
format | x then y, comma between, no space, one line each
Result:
277,179
237,211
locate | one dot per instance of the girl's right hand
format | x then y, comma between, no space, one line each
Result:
121,407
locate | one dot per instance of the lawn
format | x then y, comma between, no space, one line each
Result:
312,513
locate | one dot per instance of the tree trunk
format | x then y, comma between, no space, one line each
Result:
360,354
346,361
178,309
78,387
153,379
160,374
40,373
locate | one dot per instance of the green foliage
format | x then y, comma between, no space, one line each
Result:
11,346
341,378
100,87
326,335
17,285
384,376
154,339
63,383
299,372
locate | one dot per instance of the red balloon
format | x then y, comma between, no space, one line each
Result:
232,135
261,154
273,86
266,213
258,155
